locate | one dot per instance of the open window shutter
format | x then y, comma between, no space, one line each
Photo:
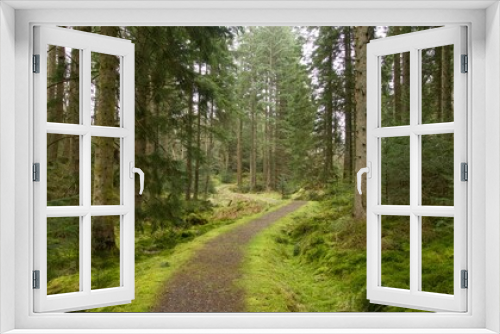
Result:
412,133
73,218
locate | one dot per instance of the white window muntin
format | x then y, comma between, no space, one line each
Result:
414,43
86,43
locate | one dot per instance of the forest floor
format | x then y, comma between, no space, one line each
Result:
207,282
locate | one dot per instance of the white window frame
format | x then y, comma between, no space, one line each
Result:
483,315
414,43
86,297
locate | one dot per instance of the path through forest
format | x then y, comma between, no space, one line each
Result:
206,283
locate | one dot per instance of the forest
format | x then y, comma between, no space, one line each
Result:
234,122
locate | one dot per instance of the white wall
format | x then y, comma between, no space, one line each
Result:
492,150
7,163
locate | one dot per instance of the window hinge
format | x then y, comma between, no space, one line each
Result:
36,279
465,279
464,171
465,64
36,63
36,172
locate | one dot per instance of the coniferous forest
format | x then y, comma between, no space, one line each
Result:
232,124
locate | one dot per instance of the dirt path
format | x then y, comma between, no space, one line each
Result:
206,283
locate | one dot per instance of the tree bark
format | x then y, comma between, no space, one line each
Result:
438,75
405,89
362,36
57,104
51,95
328,120
447,87
209,146
253,142
269,138
348,106
198,143
103,235
189,144
239,153
397,84
74,104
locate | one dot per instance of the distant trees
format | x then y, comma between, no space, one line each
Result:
276,103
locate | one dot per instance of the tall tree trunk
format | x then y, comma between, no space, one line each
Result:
142,92
103,227
253,143
405,89
269,138
447,87
189,144
329,120
209,146
348,106
198,143
51,96
362,37
240,152
74,103
397,84
266,163
438,82
58,102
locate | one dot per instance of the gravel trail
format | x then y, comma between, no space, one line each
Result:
206,282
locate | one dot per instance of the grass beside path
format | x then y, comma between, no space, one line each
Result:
272,278
296,266
152,273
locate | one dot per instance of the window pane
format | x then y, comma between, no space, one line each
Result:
63,170
105,252
63,249
395,252
437,254
105,171
437,84
395,85
105,90
395,170
437,169
63,85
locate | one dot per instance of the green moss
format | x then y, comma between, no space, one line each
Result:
314,260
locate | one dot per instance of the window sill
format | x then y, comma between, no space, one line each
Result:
251,331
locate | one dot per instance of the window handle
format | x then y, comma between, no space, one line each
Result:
141,175
368,171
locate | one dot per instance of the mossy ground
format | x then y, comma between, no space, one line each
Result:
314,260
